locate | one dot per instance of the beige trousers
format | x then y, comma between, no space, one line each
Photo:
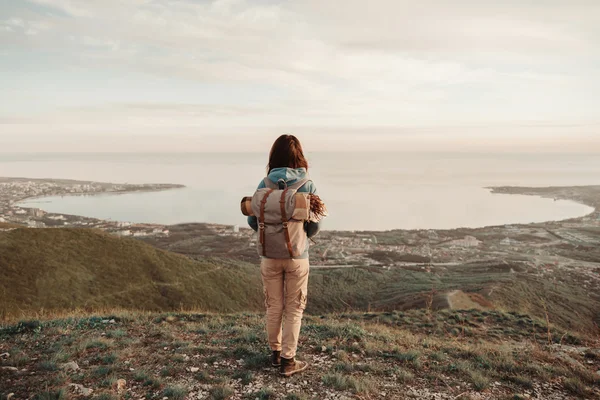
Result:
285,283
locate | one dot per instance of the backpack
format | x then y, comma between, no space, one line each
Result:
281,214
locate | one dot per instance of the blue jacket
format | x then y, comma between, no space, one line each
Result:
291,176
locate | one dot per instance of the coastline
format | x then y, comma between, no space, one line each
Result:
416,249
588,195
17,190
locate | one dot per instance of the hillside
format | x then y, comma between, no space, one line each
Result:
65,269
49,271
396,355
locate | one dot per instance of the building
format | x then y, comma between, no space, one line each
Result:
36,212
467,241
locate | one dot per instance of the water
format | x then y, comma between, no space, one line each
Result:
363,191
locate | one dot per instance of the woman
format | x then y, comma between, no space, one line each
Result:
285,281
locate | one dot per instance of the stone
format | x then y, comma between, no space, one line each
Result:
194,369
70,366
4,355
15,369
120,386
81,390
324,348
9,396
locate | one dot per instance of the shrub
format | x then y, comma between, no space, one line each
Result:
220,392
175,392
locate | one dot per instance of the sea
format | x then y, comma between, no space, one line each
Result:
363,191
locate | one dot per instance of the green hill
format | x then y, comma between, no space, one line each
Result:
66,269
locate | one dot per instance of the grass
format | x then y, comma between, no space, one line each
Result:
51,395
245,376
48,366
220,392
175,392
521,380
576,387
404,376
105,396
342,382
296,396
377,351
264,394
479,380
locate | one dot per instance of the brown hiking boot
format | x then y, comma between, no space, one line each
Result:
276,358
289,366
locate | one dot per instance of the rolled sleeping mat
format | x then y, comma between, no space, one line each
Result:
301,210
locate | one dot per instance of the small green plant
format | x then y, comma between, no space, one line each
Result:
109,358
105,396
245,376
342,382
265,394
203,377
521,380
102,371
480,382
51,395
256,361
575,386
48,366
403,375
116,334
220,392
296,396
175,392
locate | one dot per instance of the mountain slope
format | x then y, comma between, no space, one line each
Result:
56,269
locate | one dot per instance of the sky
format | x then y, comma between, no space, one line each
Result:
231,75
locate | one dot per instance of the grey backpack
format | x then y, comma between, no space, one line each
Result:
281,214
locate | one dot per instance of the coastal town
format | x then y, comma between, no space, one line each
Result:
540,247
15,190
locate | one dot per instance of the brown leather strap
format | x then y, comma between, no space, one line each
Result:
261,221
284,220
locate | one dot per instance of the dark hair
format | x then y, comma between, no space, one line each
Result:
286,152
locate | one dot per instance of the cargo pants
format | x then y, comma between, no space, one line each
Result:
285,283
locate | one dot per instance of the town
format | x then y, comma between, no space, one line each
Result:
15,190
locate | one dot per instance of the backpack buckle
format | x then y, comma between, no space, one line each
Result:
261,225
285,224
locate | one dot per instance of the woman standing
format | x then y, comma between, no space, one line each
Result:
285,280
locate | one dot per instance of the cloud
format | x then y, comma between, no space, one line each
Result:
328,63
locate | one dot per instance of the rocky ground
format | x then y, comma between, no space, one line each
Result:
398,355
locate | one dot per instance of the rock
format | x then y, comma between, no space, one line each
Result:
324,348
598,372
70,366
121,386
4,355
9,396
81,390
9,369
194,369
112,321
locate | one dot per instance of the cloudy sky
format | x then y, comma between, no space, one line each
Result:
191,75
